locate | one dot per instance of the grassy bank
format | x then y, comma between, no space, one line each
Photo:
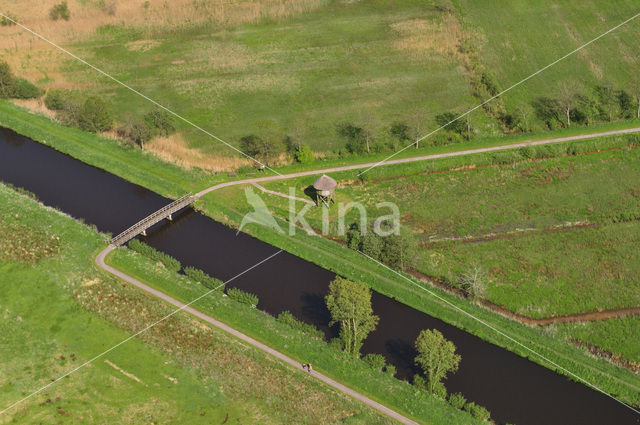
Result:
58,311
355,373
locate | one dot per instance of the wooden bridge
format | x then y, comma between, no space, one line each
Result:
142,226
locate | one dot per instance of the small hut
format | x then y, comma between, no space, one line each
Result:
324,186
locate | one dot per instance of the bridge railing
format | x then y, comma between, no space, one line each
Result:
152,219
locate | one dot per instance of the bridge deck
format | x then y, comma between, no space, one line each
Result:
152,219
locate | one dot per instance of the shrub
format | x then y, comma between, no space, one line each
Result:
202,278
439,390
60,11
572,149
390,369
445,137
70,113
376,361
457,400
7,20
161,122
304,155
633,140
95,115
149,252
136,131
7,82
289,319
336,343
24,89
419,382
56,99
242,297
477,411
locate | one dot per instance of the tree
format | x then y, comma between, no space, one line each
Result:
450,121
372,244
160,121
94,115
524,111
350,306
626,103
136,130
262,149
400,130
399,251
546,110
56,99
436,356
567,99
356,140
473,282
607,98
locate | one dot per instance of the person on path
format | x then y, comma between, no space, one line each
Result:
309,367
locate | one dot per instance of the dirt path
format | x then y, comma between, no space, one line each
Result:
414,159
247,339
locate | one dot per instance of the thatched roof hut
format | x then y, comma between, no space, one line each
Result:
324,187
325,183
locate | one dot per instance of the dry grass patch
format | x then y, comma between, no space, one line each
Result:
35,105
174,149
421,38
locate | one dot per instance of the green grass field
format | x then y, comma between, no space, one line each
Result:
58,311
370,62
521,37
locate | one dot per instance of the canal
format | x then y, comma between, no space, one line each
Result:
514,389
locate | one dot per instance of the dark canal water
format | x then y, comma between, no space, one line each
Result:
515,390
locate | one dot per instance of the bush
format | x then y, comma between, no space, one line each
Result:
243,297
376,361
95,115
160,122
7,21
304,155
444,137
56,99
477,411
60,11
202,278
390,369
289,319
420,382
457,400
24,89
70,113
7,82
136,131
142,248
439,390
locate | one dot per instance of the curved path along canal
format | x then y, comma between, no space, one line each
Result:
514,389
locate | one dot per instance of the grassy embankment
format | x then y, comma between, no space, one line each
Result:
59,311
396,394
350,264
